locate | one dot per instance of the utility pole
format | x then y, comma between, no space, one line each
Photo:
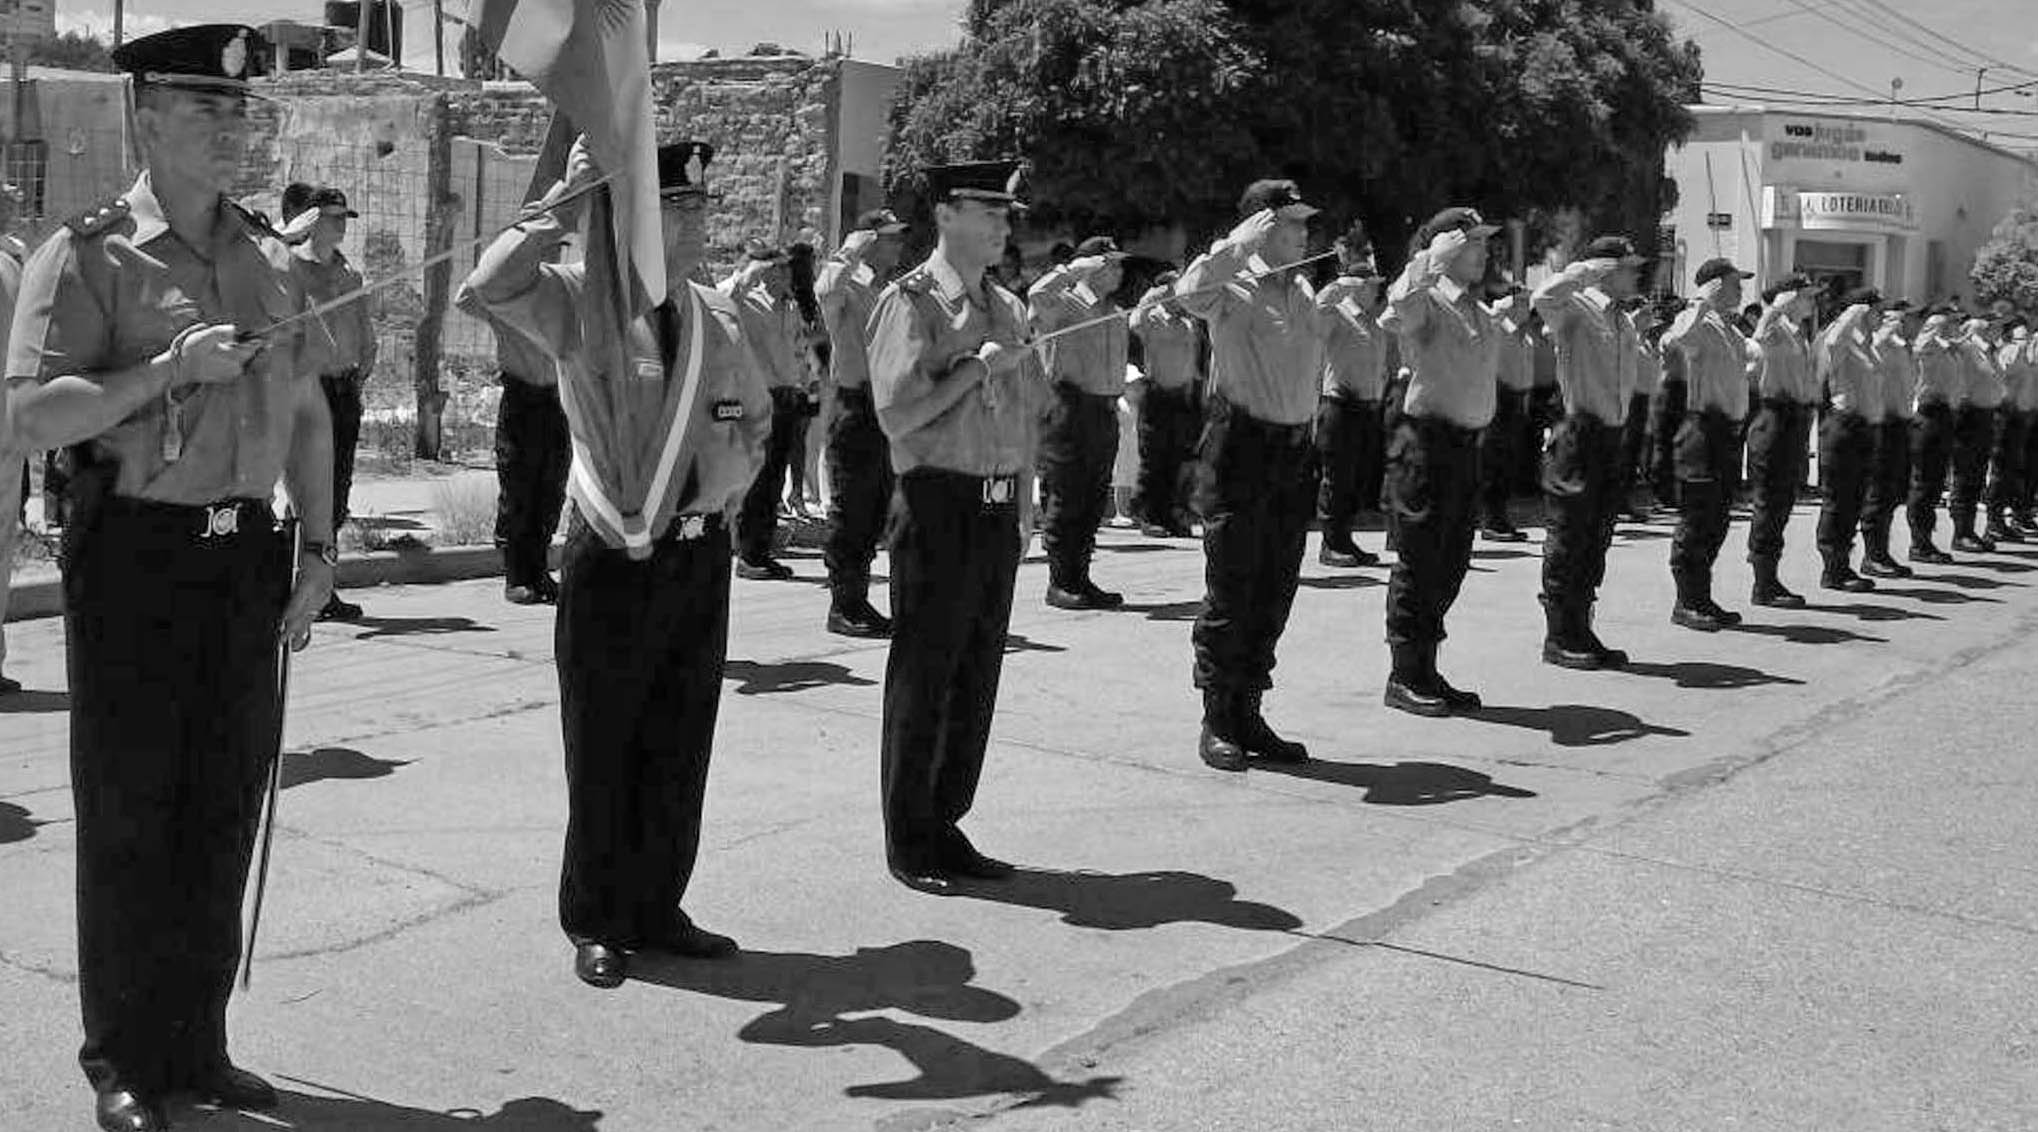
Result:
389,35
439,37
119,18
1979,72
361,36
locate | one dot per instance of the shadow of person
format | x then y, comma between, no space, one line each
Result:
1142,547
1968,581
1020,642
1117,902
2001,567
1931,597
417,627
301,768
1637,534
1875,612
1706,674
1500,555
1342,582
1403,784
1805,634
33,701
790,676
1171,611
813,995
1577,725
310,1113
15,824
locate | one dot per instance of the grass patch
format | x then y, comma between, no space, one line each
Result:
465,509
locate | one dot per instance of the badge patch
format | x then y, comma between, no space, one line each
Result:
233,59
728,410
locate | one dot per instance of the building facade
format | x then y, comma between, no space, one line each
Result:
1899,204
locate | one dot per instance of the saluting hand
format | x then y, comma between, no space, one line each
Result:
210,355
856,244
1252,232
1445,246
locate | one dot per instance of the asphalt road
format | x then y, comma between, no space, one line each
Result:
1776,878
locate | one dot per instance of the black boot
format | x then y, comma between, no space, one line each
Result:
1454,698
1259,739
1219,746
1587,636
1561,645
1999,529
1966,541
1876,561
850,613
1690,611
1838,575
1413,685
1768,590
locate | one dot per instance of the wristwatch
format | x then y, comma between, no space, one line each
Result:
328,552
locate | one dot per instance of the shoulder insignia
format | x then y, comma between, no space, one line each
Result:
918,281
99,217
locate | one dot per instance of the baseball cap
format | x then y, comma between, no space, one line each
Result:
325,198
1466,220
1100,246
1615,248
1719,269
880,220
1863,296
761,250
1795,281
1282,196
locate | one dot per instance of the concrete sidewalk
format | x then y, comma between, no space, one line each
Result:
412,976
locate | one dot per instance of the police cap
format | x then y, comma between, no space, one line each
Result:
990,182
205,58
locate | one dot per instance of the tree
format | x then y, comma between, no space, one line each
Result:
2006,267
73,51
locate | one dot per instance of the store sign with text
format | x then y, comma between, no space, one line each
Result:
1829,212
1830,141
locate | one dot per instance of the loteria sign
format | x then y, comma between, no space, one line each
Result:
1828,211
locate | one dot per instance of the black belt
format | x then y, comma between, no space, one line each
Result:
993,491
1785,404
206,524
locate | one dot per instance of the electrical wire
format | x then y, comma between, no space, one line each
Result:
1991,60
1937,59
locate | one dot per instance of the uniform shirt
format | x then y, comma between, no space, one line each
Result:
1516,370
1786,361
1648,368
352,332
1091,359
1896,372
1169,339
770,331
1715,360
1596,347
518,356
1940,379
1354,351
1451,344
1983,385
1847,364
680,431
935,415
1266,337
847,292
115,287
2020,372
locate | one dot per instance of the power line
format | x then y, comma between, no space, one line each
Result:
1936,60
1882,23
1929,103
1991,60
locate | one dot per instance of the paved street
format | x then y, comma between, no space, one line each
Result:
1780,878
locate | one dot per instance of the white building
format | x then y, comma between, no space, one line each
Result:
1900,204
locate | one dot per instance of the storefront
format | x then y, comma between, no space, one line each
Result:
1901,205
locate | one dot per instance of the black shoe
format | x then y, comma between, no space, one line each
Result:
1086,595
1930,555
9,685
229,1086
1846,581
1415,700
1565,655
1155,530
1885,568
1775,596
1502,534
1101,598
1259,738
1219,753
921,876
339,610
522,595
1695,617
124,1110
1973,544
1457,699
1347,556
767,570
963,860
600,965
1999,531
858,621
689,940
1726,617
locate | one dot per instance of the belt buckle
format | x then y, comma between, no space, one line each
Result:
222,520
999,490
692,527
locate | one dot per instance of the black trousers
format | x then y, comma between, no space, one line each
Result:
1169,423
1931,455
860,491
640,645
1432,481
1078,444
954,557
1256,501
2027,491
1779,443
1582,476
1349,463
1846,466
1706,455
757,520
1634,446
1666,416
1889,481
1974,437
172,640
2007,470
533,451
343,400
1504,445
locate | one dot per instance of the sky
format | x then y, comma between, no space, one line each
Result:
1845,48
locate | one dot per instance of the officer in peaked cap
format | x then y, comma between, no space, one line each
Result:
762,288
144,338
1896,380
1780,435
1849,372
1715,360
959,394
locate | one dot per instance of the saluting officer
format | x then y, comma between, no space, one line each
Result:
1510,439
2007,472
1896,373
2023,351
128,342
1715,357
960,395
1171,413
1348,421
1598,354
1266,367
1079,439
668,428
762,289
1941,385
859,463
1974,432
1779,438
1848,367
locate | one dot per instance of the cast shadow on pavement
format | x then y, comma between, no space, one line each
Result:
1805,634
1576,725
365,1114
1931,597
1402,784
1171,611
1874,612
2001,567
1706,674
811,998
34,701
1968,581
301,768
790,676
1143,547
1020,642
1500,555
417,626
15,824
1342,582
1117,902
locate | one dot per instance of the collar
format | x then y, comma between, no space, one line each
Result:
947,280
1256,266
863,275
147,211
1083,293
1597,299
1450,289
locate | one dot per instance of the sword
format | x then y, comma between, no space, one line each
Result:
275,785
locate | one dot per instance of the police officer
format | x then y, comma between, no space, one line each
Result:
315,221
131,341
1253,488
762,288
2023,351
2007,471
1079,439
644,577
1348,422
1896,371
1506,443
1715,357
1646,314
1941,385
1171,413
1450,341
1974,427
859,463
1598,353
1779,438
959,395
1666,408
1851,373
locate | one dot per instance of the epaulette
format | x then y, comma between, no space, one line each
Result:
917,281
99,217
253,219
